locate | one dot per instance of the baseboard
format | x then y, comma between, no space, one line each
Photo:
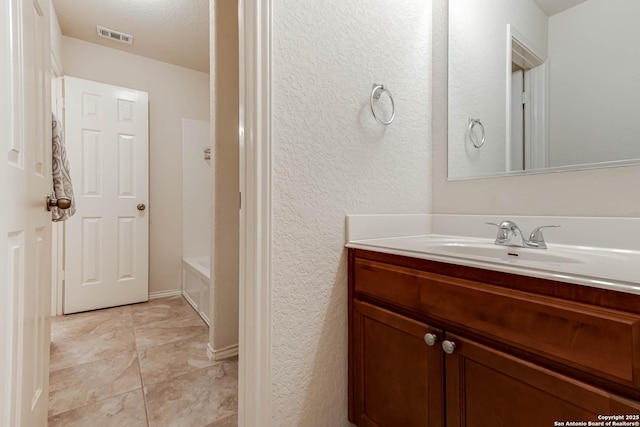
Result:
210,352
165,294
223,353
205,318
190,301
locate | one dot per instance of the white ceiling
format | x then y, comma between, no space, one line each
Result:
553,7
173,31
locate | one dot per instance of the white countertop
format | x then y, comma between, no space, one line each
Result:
605,268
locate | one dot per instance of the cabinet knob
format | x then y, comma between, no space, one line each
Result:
430,339
448,346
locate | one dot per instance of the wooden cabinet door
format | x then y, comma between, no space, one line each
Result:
397,376
485,387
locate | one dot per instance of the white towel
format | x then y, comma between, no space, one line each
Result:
61,176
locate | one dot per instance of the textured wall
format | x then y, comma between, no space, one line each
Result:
601,192
330,158
225,238
174,93
478,81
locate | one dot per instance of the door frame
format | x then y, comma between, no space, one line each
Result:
515,161
254,378
57,235
6,126
532,54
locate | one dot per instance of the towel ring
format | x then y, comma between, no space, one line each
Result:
375,94
474,141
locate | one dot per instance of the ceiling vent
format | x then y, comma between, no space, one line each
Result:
115,36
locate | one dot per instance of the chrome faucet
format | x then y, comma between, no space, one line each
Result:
509,234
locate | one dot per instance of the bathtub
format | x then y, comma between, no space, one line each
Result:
196,273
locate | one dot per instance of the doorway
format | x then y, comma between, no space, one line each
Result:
527,105
110,75
178,93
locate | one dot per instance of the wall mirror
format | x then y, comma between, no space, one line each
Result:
542,85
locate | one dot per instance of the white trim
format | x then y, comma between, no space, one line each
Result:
186,296
223,353
547,99
165,294
254,380
6,293
205,318
513,35
509,56
57,228
57,268
56,67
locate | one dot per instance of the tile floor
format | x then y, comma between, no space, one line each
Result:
138,365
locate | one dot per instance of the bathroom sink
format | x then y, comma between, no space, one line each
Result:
502,253
480,249
616,269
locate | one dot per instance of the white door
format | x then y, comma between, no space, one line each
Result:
516,145
25,266
107,240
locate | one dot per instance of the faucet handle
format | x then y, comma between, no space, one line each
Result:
506,224
503,232
537,239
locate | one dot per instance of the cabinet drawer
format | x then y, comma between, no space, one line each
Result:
601,341
397,285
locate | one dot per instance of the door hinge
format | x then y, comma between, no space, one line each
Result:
62,275
240,199
525,97
60,102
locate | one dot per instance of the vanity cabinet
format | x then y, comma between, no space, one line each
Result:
523,351
398,376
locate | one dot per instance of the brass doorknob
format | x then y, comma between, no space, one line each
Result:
141,206
61,203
